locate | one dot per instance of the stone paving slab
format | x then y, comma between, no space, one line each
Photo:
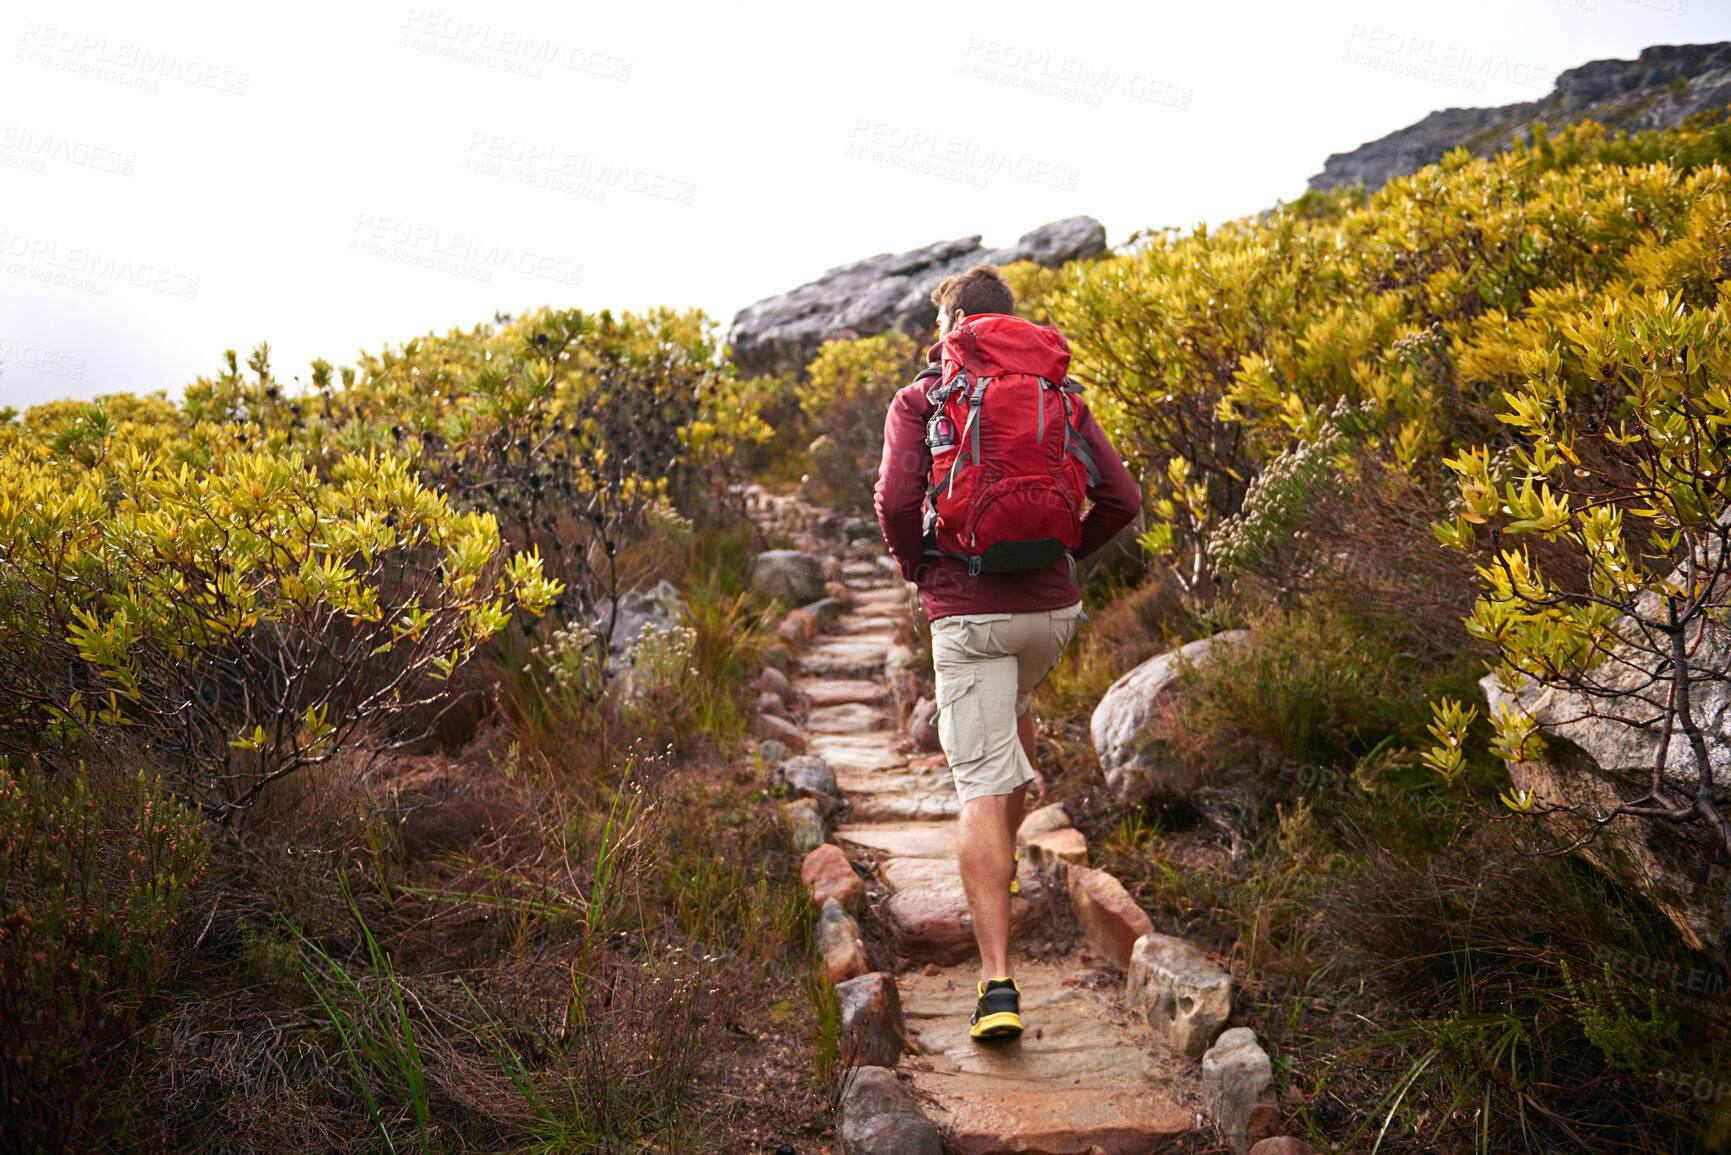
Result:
904,839
877,623
840,691
857,752
844,659
849,718
1078,1079
896,798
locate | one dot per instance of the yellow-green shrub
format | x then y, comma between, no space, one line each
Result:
245,620
1215,352
844,400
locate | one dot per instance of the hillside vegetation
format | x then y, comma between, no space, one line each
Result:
340,809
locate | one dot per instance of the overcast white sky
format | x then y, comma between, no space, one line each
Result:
176,180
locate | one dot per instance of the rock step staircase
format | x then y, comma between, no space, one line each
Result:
1101,1069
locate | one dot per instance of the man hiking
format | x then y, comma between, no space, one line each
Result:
989,459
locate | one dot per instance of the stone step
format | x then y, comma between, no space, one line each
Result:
889,796
849,718
929,909
903,839
877,623
837,658
1079,1079
857,753
838,692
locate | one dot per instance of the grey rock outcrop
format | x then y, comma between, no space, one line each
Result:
1135,772
1238,1085
780,334
1595,764
1602,740
1658,89
1184,998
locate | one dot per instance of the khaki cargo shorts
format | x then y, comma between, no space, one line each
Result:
987,667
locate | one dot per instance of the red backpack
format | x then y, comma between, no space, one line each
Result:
1009,469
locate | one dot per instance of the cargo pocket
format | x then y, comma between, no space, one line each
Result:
961,724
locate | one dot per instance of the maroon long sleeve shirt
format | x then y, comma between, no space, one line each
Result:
945,583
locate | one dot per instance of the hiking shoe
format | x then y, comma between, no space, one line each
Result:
998,1013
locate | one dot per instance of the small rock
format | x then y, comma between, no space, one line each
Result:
1283,1145
933,970
783,731
825,611
772,751
808,774
1185,998
772,705
792,631
878,1117
794,577
873,1032
805,825
826,873
1238,1083
1111,921
835,589
773,681
1053,817
1051,851
832,569
807,622
923,725
777,656
837,941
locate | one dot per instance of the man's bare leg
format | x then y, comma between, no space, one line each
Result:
1025,735
985,852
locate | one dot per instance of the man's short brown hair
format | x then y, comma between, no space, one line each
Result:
982,289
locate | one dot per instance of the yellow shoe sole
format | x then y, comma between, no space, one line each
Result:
1003,1025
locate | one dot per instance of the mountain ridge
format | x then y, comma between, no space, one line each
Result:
1660,88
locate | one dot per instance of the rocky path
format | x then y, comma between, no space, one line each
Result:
1096,1072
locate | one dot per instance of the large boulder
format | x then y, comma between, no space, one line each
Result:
781,334
1677,867
1135,770
1602,740
794,577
